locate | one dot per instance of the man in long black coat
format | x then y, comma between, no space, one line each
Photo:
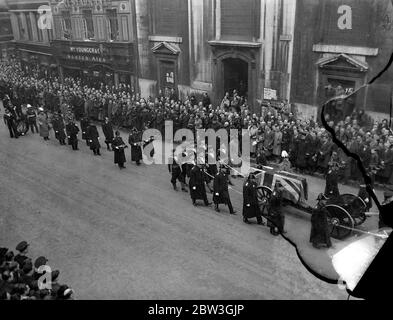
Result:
331,187
197,185
220,190
118,146
108,133
177,173
84,126
135,140
94,141
250,200
319,235
58,128
10,121
72,133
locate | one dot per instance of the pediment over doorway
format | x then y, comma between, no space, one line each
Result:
166,48
342,62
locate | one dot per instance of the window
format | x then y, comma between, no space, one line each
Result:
113,24
66,25
88,24
22,31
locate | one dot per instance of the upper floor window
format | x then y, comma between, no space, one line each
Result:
66,25
88,24
113,25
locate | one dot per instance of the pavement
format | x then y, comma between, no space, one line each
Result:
126,234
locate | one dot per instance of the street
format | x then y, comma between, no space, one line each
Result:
128,235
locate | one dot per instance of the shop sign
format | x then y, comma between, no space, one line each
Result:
269,94
79,57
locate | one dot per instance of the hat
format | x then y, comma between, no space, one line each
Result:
55,275
29,106
22,246
40,261
27,266
284,154
64,292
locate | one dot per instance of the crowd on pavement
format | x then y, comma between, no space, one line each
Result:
23,279
275,132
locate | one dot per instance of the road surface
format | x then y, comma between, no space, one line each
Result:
128,235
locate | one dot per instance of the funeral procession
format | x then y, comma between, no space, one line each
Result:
195,150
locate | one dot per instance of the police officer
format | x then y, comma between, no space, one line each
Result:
250,200
220,190
135,140
72,133
178,173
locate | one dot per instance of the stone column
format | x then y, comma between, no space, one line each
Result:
15,26
268,43
218,19
34,28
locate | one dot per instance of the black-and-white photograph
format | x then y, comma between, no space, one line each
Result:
195,150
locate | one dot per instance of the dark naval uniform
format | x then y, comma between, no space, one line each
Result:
118,146
84,127
94,142
72,133
319,235
177,174
10,121
108,133
197,185
276,218
250,202
331,188
220,191
135,140
58,128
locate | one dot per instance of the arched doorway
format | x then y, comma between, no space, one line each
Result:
235,76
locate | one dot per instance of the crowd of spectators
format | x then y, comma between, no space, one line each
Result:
21,279
274,130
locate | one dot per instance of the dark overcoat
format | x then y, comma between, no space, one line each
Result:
93,135
319,228
118,146
197,184
250,200
108,132
220,188
134,140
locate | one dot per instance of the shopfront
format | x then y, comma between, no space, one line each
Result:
95,63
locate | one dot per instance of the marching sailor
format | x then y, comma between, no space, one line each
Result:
319,235
84,126
176,169
220,190
197,185
331,188
108,133
276,218
135,140
9,120
32,118
250,200
58,128
94,137
118,146
72,134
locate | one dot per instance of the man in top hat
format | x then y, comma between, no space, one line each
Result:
220,190
21,257
250,200
276,218
135,140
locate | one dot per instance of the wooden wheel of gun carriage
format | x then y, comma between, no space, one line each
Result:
345,212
